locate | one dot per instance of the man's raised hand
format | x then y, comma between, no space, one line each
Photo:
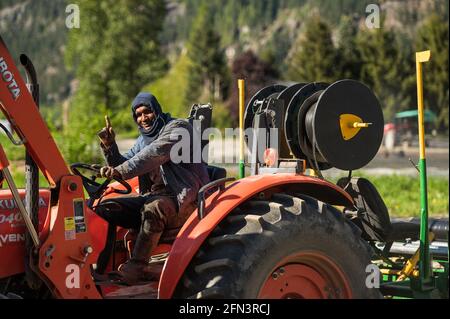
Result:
106,134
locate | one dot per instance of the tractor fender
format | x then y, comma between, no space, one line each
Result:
221,203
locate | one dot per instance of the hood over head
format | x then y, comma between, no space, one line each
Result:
161,119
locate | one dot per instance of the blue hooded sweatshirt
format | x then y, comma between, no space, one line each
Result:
150,156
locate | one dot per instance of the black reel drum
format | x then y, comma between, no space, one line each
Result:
285,96
344,125
292,132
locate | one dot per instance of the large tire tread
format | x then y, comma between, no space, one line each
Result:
224,266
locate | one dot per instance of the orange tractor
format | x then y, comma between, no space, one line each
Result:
278,233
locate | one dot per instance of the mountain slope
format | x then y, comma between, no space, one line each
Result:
37,28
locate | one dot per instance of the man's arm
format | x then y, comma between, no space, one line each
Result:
113,156
154,154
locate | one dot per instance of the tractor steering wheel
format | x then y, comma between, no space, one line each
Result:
94,189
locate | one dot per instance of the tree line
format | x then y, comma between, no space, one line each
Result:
379,59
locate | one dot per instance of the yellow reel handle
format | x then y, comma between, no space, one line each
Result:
360,124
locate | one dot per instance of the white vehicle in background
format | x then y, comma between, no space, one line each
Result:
403,130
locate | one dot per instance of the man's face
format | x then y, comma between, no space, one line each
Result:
145,117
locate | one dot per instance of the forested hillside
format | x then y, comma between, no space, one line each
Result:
36,28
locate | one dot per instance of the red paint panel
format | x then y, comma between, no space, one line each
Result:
63,251
12,231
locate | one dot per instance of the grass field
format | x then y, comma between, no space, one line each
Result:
400,193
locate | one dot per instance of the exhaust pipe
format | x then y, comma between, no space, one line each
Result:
32,181
31,169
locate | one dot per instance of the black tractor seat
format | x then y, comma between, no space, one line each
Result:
216,173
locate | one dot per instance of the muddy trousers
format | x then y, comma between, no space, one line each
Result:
151,215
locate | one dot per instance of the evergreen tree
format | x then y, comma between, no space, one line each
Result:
37,28
114,53
314,56
348,57
333,10
207,72
382,68
116,50
433,35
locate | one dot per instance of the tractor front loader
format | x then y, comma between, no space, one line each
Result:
278,233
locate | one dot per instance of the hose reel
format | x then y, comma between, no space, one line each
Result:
338,125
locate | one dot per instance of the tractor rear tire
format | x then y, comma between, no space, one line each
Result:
288,247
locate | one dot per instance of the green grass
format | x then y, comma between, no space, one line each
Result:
14,152
18,173
402,194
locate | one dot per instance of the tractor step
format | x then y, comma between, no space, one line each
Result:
147,290
120,283
113,288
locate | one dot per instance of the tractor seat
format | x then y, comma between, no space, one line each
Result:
373,217
216,173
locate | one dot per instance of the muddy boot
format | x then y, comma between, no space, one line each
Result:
137,269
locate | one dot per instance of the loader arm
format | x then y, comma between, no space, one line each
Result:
19,108
65,250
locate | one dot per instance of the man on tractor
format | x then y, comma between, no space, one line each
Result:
168,190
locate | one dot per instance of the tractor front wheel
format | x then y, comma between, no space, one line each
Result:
288,247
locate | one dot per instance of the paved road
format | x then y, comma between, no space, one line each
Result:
437,162
224,151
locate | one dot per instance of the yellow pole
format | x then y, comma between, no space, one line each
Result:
425,262
241,86
421,57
